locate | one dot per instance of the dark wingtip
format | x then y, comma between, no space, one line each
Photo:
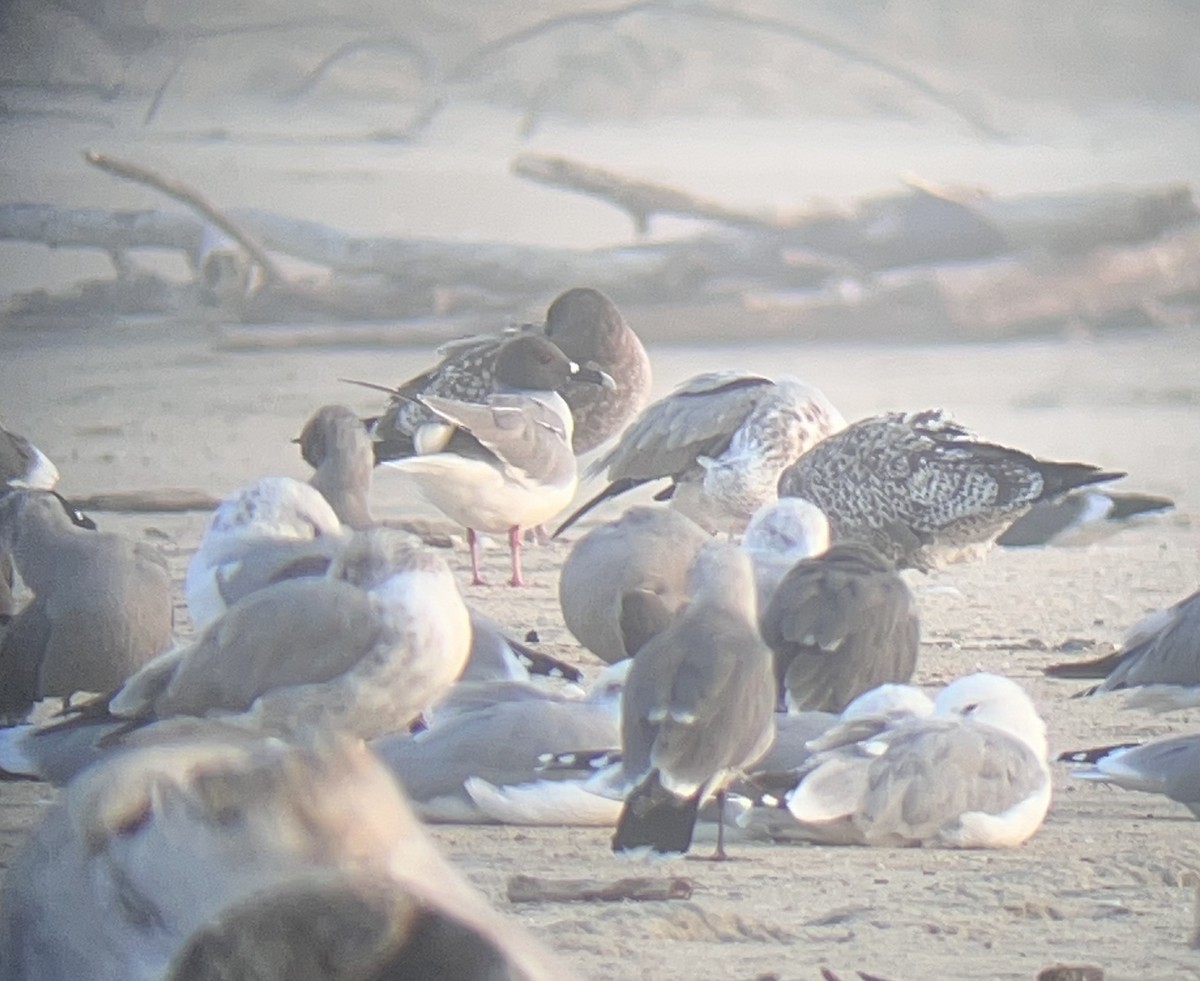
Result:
615,489
656,819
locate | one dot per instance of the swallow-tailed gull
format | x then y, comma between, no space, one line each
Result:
646,550
697,706
923,490
366,648
588,329
507,464
101,605
840,624
218,857
722,439
335,443
1081,517
498,743
972,775
1170,767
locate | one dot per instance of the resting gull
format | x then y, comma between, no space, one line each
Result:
506,464
101,605
223,857
586,327
923,490
610,568
21,465
1170,767
335,443
722,439
1080,517
972,775
697,707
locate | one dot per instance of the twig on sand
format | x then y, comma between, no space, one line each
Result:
533,889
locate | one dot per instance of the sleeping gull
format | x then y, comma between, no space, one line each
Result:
101,605
506,464
722,438
646,549
1170,767
697,706
840,624
21,465
366,648
1081,517
780,534
335,443
222,857
973,775
585,326
923,490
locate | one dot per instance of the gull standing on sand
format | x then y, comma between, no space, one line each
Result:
21,465
973,775
101,605
586,327
364,649
921,489
507,464
218,856
647,549
722,438
697,707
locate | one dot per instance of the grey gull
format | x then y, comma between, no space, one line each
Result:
1170,767
21,465
335,443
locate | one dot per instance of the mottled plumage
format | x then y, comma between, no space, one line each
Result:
722,438
923,490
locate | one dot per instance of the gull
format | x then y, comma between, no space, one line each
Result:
505,464
586,327
840,624
101,605
780,534
613,566
1170,767
722,439
921,489
365,648
335,443
1083,516
21,465
218,856
697,706
472,752
972,775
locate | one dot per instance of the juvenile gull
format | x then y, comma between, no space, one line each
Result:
335,443
1170,767
923,490
722,439
589,330
973,775
21,465
507,464
647,549
366,648
220,857
697,706
839,625
101,605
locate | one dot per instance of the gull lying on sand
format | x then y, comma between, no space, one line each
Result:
1170,767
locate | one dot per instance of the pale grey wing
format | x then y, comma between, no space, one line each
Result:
525,434
274,562
933,772
697,419
23,465
299,632
503,743
788,419
775,771
1170,656
1165,766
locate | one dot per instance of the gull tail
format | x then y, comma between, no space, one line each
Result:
656,819
1062,477
1098,667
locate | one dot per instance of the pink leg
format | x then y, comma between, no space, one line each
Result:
514,546
473,544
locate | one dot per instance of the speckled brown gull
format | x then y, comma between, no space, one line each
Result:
722,439
697,706
921,489
972,775
221,857
101,605
589,330
507,464
646,549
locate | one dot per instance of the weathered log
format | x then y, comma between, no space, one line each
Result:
534,889
162,499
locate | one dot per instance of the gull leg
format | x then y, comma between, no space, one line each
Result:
514,546
720,854
473,545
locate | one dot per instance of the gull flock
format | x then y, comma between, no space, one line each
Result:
256,793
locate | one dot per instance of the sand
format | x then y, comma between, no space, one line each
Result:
1108,880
